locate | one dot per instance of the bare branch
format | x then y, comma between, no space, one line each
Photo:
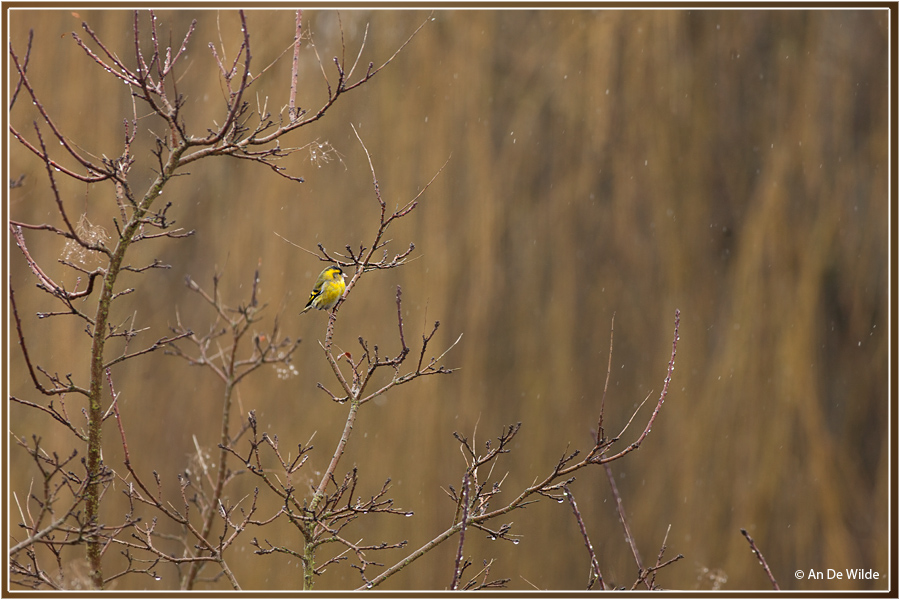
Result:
295,67
160,343
550,483
55,391
595,565
662,398
762,559
91,168
25,60
457,571
599,437
622,519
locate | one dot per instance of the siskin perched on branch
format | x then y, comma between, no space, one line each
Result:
327,291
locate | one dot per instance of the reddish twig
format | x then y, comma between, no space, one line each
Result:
662,398
44,282
25,60
651,572
89,166
457,570
662,551
595,565
551,483
37,384
295,67
59,204
620,509
599,437
762,559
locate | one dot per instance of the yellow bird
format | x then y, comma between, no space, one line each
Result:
327,291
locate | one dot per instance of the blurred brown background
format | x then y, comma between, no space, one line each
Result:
731,164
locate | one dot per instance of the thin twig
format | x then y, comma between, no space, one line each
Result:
550,483
662,397
47,392
762,559
612,325
457,570
295,67
651,572
662,551
25,60
595,574
59,204
620,508
40,534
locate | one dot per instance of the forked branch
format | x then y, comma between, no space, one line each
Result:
552,485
